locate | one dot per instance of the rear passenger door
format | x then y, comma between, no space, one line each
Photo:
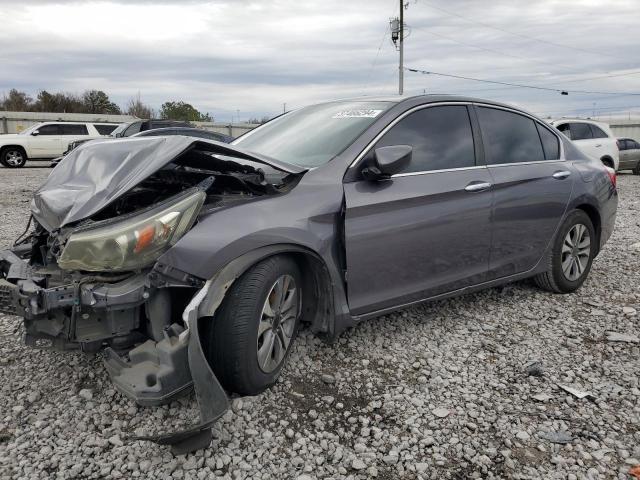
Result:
532,187
70,132
427,229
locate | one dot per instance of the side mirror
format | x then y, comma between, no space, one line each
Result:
35,133
388,161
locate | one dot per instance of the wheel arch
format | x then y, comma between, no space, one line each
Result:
319,292
594,215
608,161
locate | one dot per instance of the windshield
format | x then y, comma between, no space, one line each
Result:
313,135
30,129
119,129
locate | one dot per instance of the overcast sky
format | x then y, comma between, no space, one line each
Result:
253,56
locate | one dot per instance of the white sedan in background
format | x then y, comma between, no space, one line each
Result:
47,140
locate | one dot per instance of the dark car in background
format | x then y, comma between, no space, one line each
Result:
137,126
176,130
194,262
187,131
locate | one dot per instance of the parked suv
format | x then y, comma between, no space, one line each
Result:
131,128
629,155
594,138
46,140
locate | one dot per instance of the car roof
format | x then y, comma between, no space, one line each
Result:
427,98
577,120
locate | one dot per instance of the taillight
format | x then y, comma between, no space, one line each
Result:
612,176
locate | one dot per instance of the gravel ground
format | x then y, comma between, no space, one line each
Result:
464,388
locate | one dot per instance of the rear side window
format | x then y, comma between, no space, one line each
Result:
509,137
48,130
105,129
550,143
441,138
598,132
73,129
580,131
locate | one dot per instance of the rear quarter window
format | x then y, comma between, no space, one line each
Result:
550,143
598,132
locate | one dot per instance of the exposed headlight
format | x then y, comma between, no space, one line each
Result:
134,242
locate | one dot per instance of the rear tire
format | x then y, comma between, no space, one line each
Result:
636,171
13,157
248,341
570,259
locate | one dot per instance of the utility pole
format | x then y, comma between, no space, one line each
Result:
397,37
401,40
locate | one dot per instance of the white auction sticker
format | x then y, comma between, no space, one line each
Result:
357,114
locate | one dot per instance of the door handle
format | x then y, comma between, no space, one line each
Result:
599,145
561,175
477,186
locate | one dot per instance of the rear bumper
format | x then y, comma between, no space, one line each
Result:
90,313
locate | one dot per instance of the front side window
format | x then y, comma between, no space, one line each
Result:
48,130
73,129
441,138
580,131
509,137
550,143
312,136
597,132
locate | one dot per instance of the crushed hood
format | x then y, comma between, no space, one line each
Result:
98,172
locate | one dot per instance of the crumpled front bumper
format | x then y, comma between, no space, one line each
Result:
88,310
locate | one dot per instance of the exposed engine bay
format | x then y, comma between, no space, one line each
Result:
87,276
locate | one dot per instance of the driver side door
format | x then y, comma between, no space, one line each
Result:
47,143
426,230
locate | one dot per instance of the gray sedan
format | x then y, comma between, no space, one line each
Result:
193,263
629,155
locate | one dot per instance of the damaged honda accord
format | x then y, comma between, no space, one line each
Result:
192,263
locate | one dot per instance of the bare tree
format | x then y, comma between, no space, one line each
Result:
136,108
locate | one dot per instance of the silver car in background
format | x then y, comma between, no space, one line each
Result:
629,155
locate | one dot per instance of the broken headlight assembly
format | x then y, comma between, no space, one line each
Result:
132,242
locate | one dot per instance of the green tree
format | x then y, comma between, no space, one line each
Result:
59,103
183,111
96,101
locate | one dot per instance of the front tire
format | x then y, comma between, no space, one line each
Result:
249,339
636,170
570,259
13,157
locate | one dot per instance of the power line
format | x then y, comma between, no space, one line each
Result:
563,81
491,50
521,35
375,60
557,90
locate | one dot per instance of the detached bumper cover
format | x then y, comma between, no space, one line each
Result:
154,373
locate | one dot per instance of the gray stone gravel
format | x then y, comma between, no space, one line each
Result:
437,391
